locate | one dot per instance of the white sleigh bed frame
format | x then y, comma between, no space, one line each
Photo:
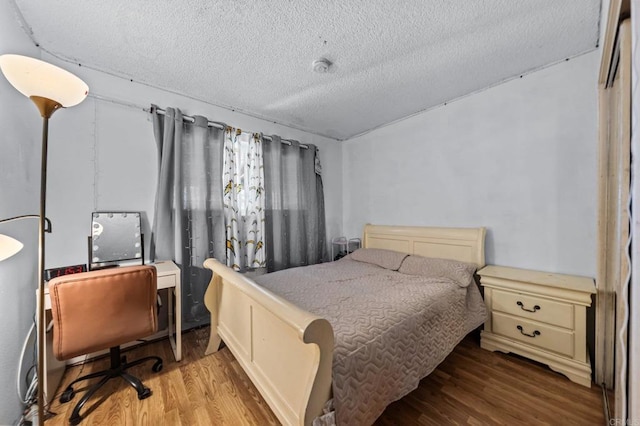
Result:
288,352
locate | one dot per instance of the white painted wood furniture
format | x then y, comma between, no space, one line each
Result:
616,272
288,352
539,315
169,278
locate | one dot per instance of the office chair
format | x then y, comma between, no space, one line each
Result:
104,309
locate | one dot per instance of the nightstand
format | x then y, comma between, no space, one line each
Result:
344,246
539,315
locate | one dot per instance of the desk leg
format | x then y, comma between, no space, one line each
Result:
175,322
178,321
170,302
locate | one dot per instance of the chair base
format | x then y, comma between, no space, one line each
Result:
118,368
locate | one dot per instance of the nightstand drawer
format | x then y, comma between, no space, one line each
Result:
533,333
535,308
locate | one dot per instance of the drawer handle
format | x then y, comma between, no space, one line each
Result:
535,332
535,308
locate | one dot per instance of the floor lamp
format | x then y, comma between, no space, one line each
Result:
50,88
8,246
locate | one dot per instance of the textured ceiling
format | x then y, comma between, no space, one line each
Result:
390,58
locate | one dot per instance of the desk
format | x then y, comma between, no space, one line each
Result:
168,278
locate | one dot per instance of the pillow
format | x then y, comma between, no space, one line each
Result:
460,272
388,259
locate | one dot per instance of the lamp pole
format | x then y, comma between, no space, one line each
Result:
46,108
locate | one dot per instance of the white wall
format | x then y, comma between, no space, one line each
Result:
20,126
103,157
518,158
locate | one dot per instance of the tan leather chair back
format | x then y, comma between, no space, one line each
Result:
101,309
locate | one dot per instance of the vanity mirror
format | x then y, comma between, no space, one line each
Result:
116,239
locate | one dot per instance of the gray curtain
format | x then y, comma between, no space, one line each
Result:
295,224
188,224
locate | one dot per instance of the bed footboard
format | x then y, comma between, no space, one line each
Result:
286,352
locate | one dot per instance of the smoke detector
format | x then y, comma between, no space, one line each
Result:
321,65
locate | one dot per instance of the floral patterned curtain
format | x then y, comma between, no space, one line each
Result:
244,200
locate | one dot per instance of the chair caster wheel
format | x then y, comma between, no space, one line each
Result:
157,366
75,420
67,395
146,393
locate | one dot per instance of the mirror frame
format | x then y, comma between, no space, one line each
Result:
130,252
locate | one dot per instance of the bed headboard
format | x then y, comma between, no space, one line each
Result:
463,244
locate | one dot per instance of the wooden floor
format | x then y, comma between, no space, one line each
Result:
472,386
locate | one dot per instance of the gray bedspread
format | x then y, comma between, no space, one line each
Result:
391,329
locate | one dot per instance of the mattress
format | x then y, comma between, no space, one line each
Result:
391,329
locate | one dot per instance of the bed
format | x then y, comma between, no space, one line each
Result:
291,353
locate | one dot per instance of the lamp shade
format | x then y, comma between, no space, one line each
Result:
8,247
33,77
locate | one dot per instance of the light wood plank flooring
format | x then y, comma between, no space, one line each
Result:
472,386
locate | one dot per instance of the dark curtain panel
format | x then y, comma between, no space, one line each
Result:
188,225
295,223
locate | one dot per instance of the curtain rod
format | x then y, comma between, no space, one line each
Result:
285,141
191,119
187,118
